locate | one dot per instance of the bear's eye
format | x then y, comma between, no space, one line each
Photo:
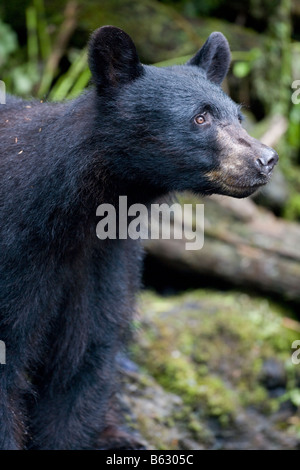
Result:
240,118
200,119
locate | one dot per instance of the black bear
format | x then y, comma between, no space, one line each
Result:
66,297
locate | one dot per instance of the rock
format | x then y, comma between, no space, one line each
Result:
273,374
206,366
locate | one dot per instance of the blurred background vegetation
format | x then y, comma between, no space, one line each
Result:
43,55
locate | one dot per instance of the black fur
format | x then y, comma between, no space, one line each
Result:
67,298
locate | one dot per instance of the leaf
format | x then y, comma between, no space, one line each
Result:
241,69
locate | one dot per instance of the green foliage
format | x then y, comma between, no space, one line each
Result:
262,8
74,80
293,135
194,8
8,42
292,209
273,72
34,74
244,62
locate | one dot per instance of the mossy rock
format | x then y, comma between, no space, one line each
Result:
224,354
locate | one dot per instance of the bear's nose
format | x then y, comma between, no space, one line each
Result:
267,160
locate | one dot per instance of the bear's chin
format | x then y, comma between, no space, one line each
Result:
239,192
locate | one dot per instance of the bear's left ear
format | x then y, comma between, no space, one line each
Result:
113,59
214,57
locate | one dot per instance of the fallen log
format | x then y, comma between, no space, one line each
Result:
244,245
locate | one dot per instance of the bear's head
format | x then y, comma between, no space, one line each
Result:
173,128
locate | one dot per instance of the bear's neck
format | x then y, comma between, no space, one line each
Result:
82,164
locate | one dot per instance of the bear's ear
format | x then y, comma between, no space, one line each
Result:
214,57
113,59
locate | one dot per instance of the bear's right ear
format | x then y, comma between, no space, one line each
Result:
113,59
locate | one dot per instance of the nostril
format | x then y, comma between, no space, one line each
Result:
267,160
263,161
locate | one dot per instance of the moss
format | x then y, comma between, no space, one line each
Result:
209,348
292,209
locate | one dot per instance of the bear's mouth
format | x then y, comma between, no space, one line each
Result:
242,190
236,186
